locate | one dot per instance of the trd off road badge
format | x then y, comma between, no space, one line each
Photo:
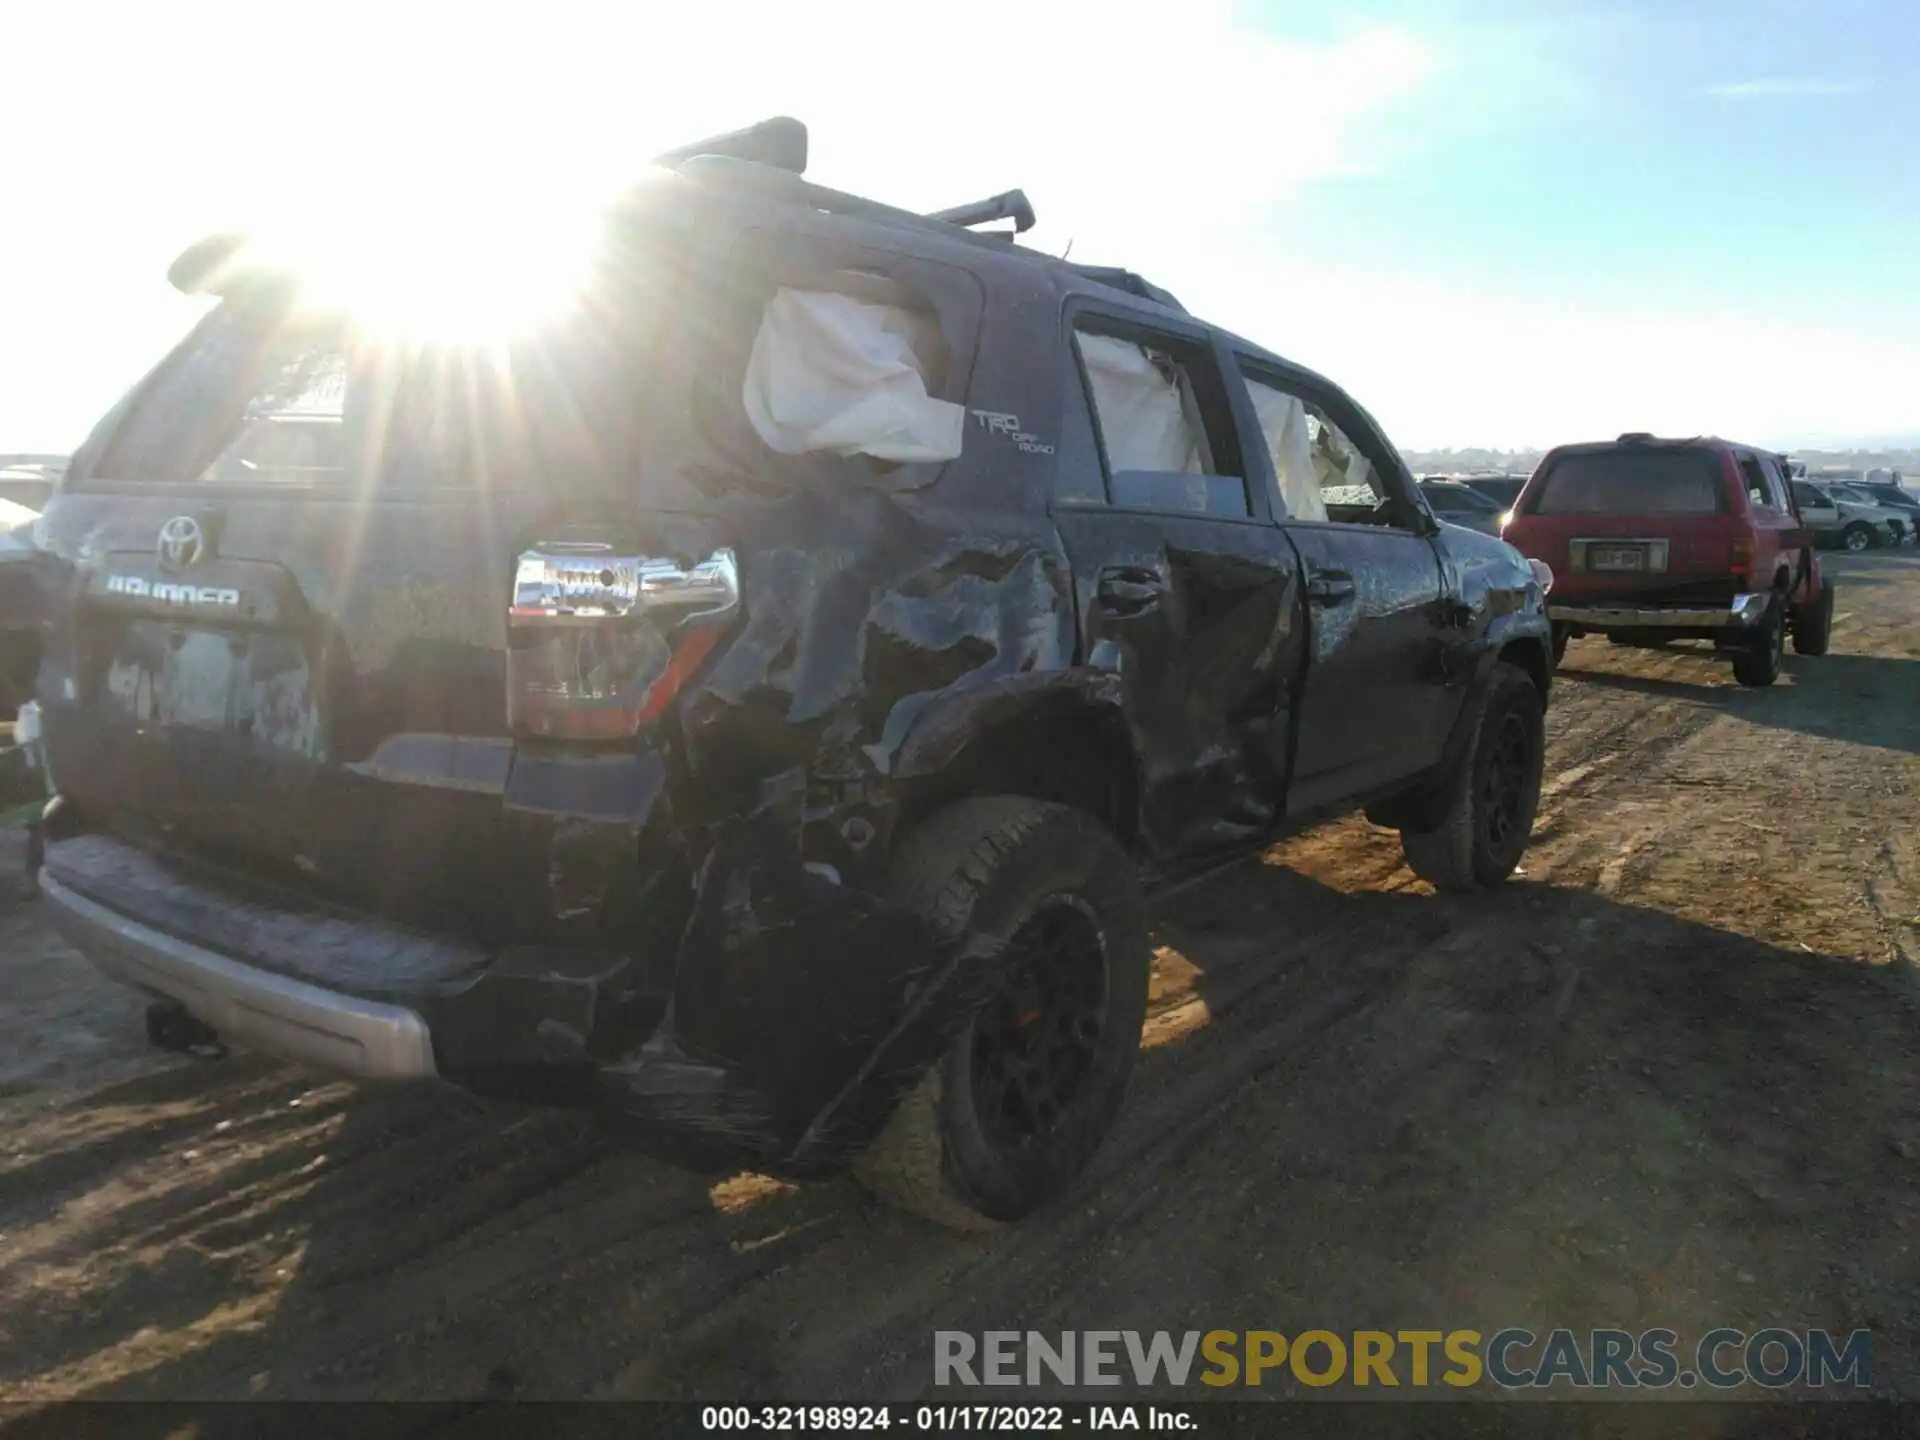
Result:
997,422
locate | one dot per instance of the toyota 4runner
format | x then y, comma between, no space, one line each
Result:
746,706
1652,540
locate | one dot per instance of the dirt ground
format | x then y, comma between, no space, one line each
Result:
1668,1076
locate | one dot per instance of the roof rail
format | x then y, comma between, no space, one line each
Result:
780,142
781,184
1126,280
1013,205
784,185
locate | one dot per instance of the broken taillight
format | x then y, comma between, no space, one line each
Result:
599,642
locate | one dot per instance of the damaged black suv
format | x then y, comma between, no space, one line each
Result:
753,704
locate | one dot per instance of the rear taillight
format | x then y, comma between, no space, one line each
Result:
599,643
1742,557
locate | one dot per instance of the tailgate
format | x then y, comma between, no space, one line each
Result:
1630,520
282,643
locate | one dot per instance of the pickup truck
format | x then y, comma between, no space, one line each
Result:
751,706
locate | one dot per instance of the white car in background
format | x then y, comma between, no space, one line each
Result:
1835,517
1897,517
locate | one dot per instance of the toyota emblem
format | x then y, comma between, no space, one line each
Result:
182,543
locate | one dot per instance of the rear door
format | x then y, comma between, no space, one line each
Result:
1375,706
284,642
1185,588
1778,535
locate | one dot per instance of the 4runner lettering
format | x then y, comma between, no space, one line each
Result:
170,593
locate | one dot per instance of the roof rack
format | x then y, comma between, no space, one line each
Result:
778,148
1126,280
780,142
1013,205
770,158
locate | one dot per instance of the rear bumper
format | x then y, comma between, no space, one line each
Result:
1744,611
367,1039
799,1008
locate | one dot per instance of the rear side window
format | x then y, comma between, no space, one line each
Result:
1633,482
1165,430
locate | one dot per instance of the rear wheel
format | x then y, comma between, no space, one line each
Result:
1857,537
1028,1089
1561,634
1760,663
1489,801
1813,623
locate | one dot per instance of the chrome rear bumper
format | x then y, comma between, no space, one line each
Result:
1743,611
252,1008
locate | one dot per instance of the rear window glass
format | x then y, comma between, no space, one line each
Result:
1633,482
273,400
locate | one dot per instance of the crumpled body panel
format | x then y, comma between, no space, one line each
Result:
802,998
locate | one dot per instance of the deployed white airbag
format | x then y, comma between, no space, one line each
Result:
1283,423
1143,415
832,373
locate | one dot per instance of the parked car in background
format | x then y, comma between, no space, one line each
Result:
19,607
29,480
1460,504
774,762
1503,490
1895,497
1899,518
1652,539
1837,520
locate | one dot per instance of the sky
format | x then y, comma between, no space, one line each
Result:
1496,224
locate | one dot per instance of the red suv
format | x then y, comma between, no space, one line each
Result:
1652,539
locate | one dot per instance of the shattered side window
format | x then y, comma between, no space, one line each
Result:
797,360
1151,407
1287,428
833,372
1350,488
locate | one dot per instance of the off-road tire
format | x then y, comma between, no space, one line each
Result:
1813,623
1759,664
989,866
1561,635
1857,537
1467,850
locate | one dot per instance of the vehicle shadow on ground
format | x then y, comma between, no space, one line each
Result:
1862,699
1419,1093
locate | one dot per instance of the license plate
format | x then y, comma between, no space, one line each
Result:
258,687
1617,557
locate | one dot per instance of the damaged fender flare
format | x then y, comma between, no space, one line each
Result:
1523,639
